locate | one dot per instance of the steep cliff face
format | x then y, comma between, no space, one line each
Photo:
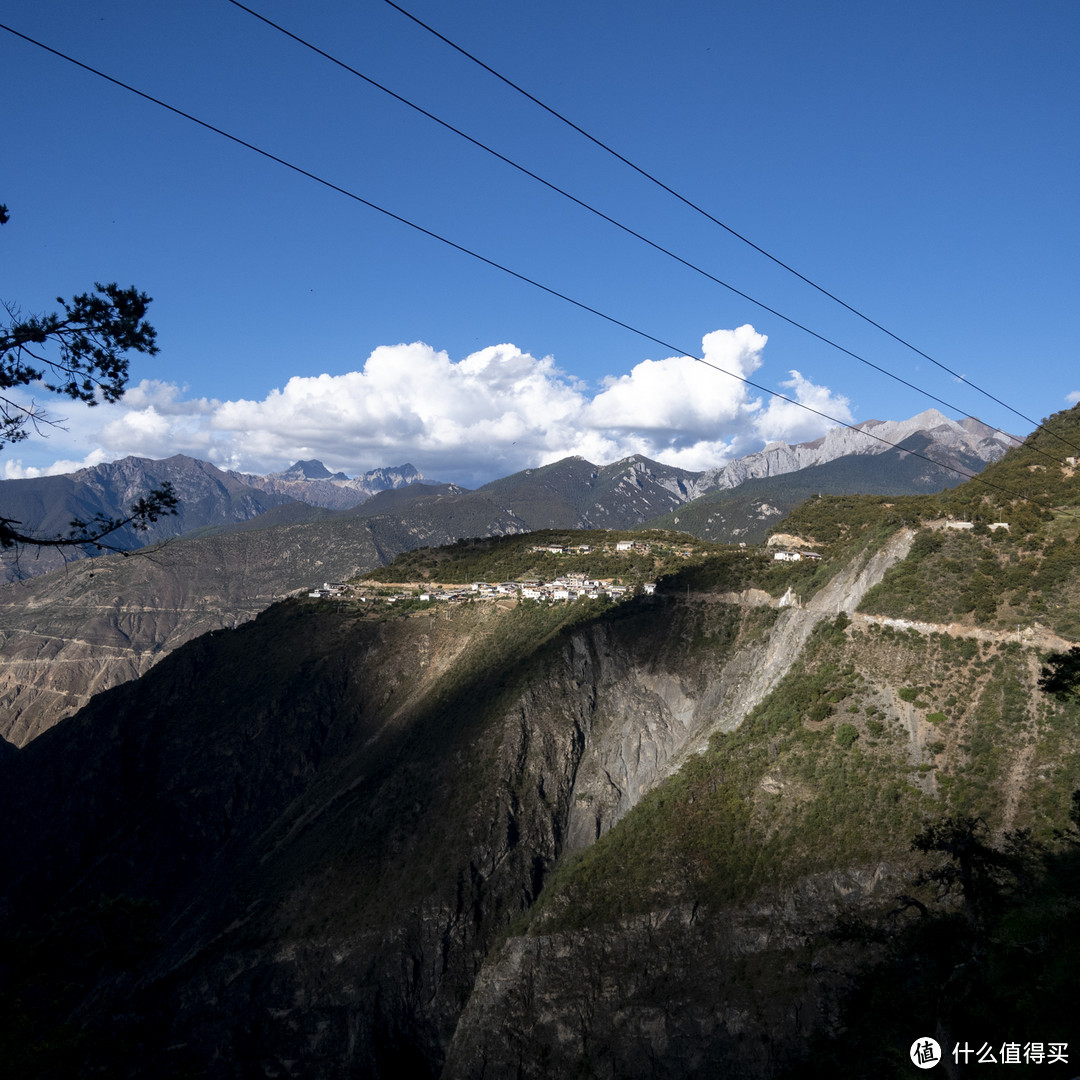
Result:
647,708
338,837
458,844
669,994
733,918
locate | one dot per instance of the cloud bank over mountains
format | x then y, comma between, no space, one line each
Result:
492,413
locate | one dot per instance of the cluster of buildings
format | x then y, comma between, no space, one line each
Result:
332,590
794,556
569,586
573,586
993,526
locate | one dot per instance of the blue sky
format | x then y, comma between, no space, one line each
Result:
919,160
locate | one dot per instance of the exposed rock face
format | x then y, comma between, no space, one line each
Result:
648,722
842,594
649,994
969,437
318,755
664,996
642,721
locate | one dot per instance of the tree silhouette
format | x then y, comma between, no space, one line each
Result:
80,353
1060,674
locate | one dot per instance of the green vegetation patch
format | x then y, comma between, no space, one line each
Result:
985,578
512,558
1007,577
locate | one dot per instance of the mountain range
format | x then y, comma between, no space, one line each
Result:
90,625
46,505
209,498
952,443
570,493
312,482
778,820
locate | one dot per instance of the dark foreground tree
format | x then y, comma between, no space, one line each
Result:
80,353
1060,675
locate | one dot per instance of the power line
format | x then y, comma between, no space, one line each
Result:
727,228
619,225
513,273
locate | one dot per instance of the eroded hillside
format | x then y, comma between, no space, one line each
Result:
68,635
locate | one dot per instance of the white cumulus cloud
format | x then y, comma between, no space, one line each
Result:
801,415
491,413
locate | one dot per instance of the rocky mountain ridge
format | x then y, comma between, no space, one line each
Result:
970,438
571,493
47,504
312,483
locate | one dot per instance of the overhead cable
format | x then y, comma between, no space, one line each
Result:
624,228
727,228
514,273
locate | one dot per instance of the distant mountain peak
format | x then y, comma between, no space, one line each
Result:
311,482
392,476
309,470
